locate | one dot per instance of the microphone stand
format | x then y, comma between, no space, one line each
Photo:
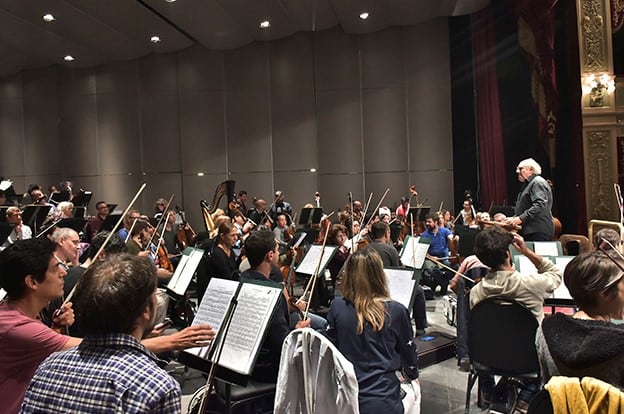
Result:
223,330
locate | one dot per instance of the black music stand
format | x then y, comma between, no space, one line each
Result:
110,221
3,210
310,216
418,213
79,212
467,238
59,196
82,199
395,230
76,224
111,207
5,231
34,216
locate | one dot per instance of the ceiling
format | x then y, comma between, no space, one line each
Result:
100,31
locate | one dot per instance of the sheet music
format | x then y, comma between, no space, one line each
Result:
400,285
548,248
312,257
525,266
251,317
186,269
212,309
5,184
3,294
562,291
408,258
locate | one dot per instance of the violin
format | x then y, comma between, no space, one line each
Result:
186,234
163,258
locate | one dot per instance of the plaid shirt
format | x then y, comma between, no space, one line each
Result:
105,374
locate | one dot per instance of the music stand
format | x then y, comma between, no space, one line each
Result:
76,224
34,216
418,213
3,210
79,212
5,231
467,238
110,221
111,207
82,199
310,216
59,196
395,230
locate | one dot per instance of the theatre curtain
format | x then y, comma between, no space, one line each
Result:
491,154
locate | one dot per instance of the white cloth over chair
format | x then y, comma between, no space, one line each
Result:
314,377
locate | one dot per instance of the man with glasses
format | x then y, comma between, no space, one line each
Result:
96,223
534,203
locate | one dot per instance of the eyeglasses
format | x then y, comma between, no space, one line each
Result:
61,263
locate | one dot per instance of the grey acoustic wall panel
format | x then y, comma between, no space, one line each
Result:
78,134
337,62
202,128
383,59
200,69
291,62
246,68
11,138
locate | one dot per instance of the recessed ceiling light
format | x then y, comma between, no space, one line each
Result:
200,174
170,1
154,39
265,24
364,15
48,18
69,58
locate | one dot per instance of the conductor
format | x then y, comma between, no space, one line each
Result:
534,203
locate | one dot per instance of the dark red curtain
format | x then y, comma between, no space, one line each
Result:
492,166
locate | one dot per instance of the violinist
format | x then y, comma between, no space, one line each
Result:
467,214
67,245
380,233
159,208
140,244
337,236
128,220
281,232
170,233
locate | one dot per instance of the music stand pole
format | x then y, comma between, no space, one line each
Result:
223,329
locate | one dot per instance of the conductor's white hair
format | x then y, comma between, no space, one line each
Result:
530,162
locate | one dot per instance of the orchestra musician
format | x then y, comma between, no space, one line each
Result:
492,249
129,219
240,200
32,276
20,230
433,274
262,252
259,214
281,232
280,206
96,222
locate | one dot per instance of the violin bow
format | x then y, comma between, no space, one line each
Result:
439,263
377,208
113,231
315,276
160,220
413,241
602,249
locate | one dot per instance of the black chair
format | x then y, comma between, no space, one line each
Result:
541,404
501,341
255,397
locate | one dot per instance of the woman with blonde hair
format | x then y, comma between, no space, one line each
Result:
374,333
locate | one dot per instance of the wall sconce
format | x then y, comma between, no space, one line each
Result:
598,87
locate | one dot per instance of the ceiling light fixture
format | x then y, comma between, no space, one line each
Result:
48,18
265,24
155,39
200,174
69,58
170,1
364,15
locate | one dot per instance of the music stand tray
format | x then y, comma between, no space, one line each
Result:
82,199
310,216
59,196
419,213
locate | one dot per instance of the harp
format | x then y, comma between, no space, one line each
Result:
225,188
